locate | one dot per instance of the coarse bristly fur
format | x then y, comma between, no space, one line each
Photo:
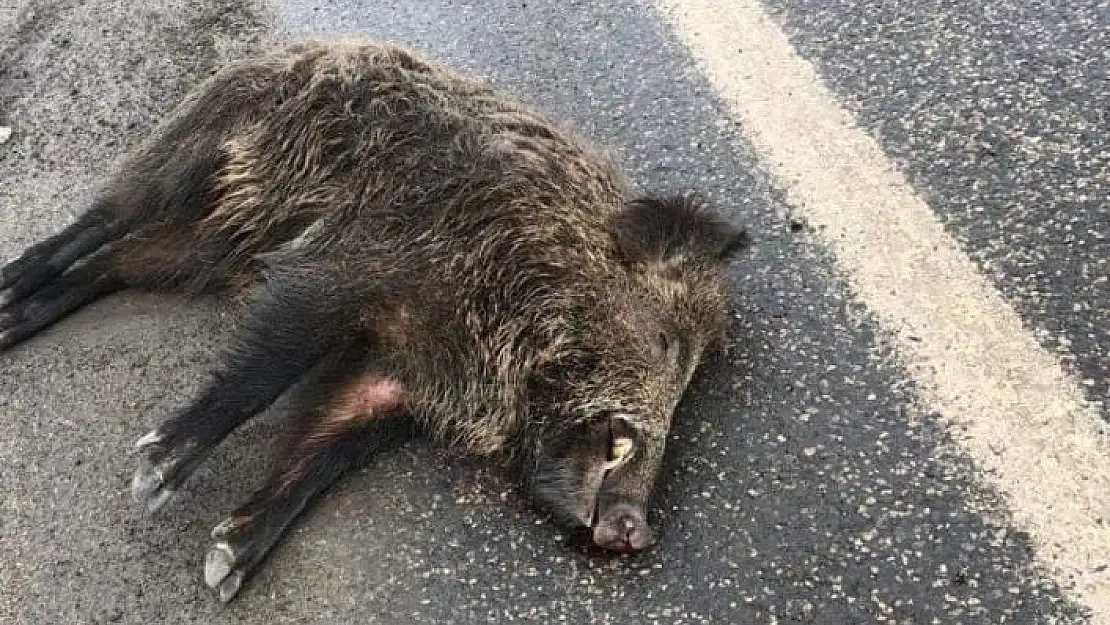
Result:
419,253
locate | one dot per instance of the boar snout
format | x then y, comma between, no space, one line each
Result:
623,528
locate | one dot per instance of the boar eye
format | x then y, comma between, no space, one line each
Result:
667,347
663,342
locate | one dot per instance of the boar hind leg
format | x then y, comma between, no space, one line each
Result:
51,257
57,276
356,415
27,315
43,284
282,338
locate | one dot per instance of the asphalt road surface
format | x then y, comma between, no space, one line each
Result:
821,470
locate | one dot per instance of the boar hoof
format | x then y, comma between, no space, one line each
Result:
148,485
219,572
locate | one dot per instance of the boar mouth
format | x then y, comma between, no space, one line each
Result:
595,500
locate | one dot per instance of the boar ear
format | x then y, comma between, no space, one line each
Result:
674,230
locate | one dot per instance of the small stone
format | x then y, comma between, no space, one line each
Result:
5,134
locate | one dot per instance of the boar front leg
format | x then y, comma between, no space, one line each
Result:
350,415
283,337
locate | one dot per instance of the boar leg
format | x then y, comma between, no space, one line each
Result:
51,257
25,316
40,287
359,415
282,338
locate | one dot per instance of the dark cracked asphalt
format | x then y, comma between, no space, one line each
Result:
804,484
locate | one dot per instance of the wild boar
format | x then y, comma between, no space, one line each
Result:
419,253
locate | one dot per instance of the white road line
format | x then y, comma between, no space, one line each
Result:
1023,419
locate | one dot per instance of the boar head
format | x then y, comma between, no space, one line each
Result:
596,464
